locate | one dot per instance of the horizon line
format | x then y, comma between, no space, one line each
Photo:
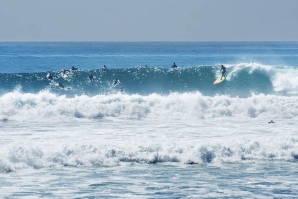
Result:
145,41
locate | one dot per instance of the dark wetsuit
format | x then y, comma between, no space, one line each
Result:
223,71
116,82
91,77
174,66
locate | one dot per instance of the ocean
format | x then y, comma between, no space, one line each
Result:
142,129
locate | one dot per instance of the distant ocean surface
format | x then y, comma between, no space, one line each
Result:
159,132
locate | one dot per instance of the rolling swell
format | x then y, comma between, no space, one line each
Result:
144,81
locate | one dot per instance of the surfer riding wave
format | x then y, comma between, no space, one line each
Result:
223,71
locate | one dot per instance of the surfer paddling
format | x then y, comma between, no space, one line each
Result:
90,77
116,82
73,68
60,85
49,76
64,71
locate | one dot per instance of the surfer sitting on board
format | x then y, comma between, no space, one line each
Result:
174,65
223,71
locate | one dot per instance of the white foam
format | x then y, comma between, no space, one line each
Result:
38,156
47,106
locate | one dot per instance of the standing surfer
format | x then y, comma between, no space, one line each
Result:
223,71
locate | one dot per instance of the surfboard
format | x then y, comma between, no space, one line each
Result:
219,80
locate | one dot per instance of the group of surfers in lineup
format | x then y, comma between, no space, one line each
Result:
116,81
63,72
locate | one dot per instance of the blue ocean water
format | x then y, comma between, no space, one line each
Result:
160,132
145,68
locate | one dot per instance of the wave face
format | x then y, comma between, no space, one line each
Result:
242,80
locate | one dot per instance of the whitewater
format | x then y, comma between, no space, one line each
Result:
159,132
